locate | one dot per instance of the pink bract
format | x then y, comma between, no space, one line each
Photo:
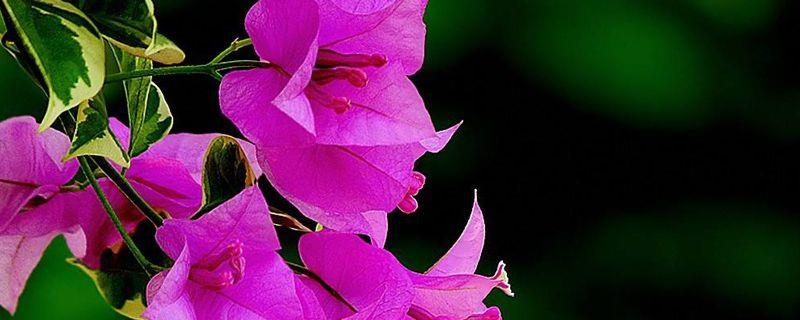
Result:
167,176
337,123
226,266
371,282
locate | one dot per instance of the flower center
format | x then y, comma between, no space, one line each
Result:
327,58
221,270
331,66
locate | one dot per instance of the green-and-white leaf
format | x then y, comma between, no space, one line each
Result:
65,46
226,172
148,113
92,135
131,25
120,279
123,289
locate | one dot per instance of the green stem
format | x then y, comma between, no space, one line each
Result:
211,69
126,188
140,258
235,46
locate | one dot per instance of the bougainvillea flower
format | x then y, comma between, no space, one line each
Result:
226,266
390,28
337,123
450,289
368,279
31,166
447,291
167,177
31,172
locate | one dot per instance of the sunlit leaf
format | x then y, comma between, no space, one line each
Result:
92,135
64,45
148,112
226,172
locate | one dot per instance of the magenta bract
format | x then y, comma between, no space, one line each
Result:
372,284
337,123
226,266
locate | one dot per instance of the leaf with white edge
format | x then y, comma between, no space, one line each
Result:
226,172
148,113
120,279
131,25
123,289
92,135
66,48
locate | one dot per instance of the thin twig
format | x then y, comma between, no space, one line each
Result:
125,187
140,258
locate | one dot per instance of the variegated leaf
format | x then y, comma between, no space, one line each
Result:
131,25
123,289
65,46
92,135
120,279
226,172
148,113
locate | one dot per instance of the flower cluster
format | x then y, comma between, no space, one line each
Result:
331,119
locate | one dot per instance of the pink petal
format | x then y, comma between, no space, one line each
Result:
266,292
390,27
442,138
31,166
173,188
464,255
166,292
334,184
367,277
457,296
312,310
57,215
18,256
285,33
340,180
330,306
387,111
187,148
244,218
250,99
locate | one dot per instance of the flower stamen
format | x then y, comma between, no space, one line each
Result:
208,274
327,58
354,76
337,104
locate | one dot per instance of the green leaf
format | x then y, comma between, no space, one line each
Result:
120,279
66,48
226,172
131,25
92,135
123,289
148,113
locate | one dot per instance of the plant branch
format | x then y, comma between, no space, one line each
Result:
235,46
140,258
126,188
211,69
303,270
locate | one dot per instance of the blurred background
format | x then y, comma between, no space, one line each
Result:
634,159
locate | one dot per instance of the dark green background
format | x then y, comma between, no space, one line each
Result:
634,159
